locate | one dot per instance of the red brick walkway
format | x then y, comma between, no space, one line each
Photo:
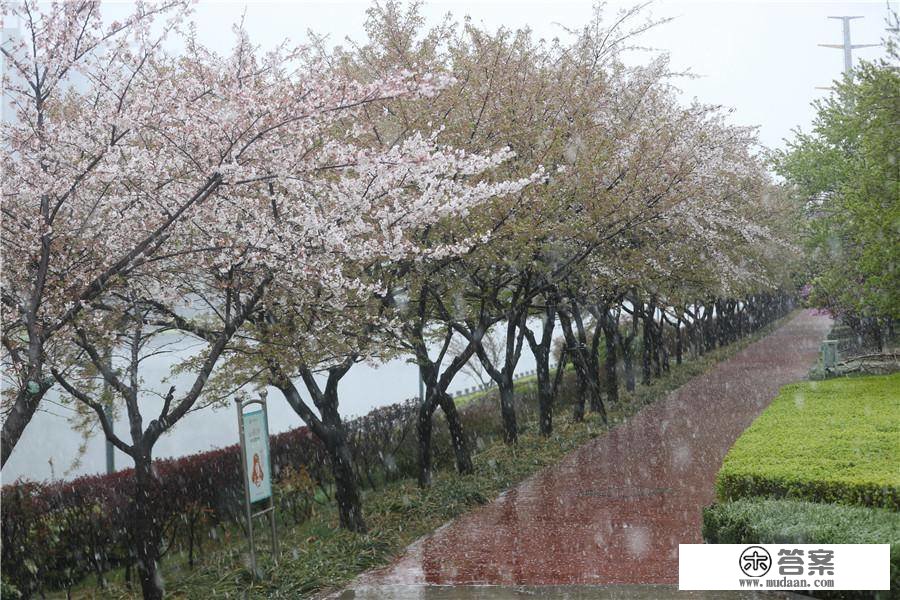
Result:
615,510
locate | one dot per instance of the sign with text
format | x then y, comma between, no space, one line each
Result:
256,455
795,567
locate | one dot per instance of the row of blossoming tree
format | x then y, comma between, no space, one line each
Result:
300,210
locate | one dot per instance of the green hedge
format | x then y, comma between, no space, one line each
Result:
764,521
828,441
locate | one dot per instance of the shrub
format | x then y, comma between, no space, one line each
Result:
832,441
55,534
765,521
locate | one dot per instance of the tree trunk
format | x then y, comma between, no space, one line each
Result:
658,350
545,398
610,332
679,341
592,360
146,533
544,386
457,436
626,343
592,378
346,487
592,389
578,406
508,410
423,434
717,325
647,349
20,416
577,355
709,328
331,431
628,365
541,351
695,331
586,362
662,347
436,394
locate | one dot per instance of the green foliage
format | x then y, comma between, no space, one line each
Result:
295,492
831,441
847,172
8,590
761,521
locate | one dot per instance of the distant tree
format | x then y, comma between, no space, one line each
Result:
847,172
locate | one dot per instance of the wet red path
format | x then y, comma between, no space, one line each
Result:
615,510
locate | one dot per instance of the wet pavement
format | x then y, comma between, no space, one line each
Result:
613,512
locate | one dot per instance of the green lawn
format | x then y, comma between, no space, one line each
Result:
829,441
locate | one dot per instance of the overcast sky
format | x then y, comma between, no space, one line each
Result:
761,58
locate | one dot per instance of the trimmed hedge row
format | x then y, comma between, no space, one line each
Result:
766,521
55,534
832,441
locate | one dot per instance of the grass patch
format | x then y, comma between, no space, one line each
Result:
767,521
317,555
827,441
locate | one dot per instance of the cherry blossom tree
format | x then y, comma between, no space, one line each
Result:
401,197
167,178
114,143
633,159
73,223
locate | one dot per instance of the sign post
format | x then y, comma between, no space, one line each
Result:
253,427
829,354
